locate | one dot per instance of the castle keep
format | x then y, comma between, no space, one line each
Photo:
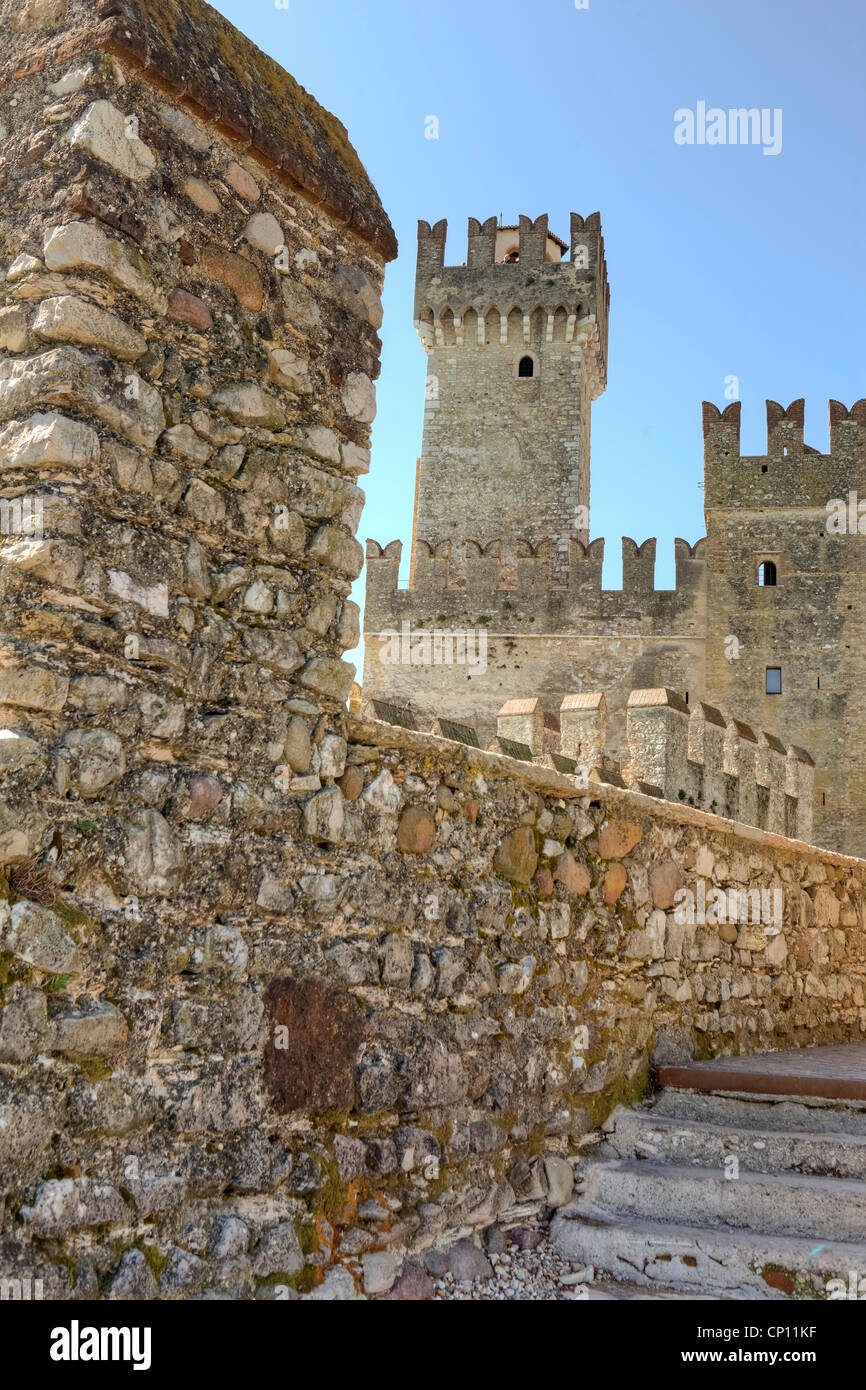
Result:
766,620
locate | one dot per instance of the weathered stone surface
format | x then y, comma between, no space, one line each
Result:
91,760
615,881
398,960
328,677
182,125
188,606
46,439
105,133
132,1279
55,562
70,319
574,877
62,1204
82,246
23,1025
278,651
323,1031
278,1252
33,687
352,783
154,858
517,977
87,382
204,503
380,1271
264,232
201,194
323,443
350,1156
99,1030
338,1286
248,404
290,370
236,272
13,329
383,794
333,547
358,295
560,1180
359,397
243,182
32,15
298,747
617,839
39,937
324,816
665,882
188,308
416,830
200,797
16,750
463,1261
413,1285
516,856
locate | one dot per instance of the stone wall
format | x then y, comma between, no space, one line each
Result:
548,626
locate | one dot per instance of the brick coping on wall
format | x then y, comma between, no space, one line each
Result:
547,781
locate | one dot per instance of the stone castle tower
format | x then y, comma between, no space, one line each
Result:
517,347
515,336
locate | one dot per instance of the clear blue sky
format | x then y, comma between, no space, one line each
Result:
722,260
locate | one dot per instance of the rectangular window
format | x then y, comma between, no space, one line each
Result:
774,680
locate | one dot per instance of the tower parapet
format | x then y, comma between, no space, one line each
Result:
791,473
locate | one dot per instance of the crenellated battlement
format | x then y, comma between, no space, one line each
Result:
526,586
531,241
695,756
515,289
791,473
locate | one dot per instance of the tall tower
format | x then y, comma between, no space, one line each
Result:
517,352
786,622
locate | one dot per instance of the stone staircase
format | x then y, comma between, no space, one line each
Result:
661,1204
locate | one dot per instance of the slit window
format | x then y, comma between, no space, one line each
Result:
526,367
767,574
774,680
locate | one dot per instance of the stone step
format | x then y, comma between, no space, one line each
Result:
647,1134
747,1111
818,1209
697,1259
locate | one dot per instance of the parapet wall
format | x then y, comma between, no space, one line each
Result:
553,586
693,756
791,473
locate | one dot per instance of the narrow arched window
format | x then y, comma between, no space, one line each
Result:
767,573
526,368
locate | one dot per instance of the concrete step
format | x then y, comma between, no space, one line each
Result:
696,1259
647,1134
818,1209
745,1111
